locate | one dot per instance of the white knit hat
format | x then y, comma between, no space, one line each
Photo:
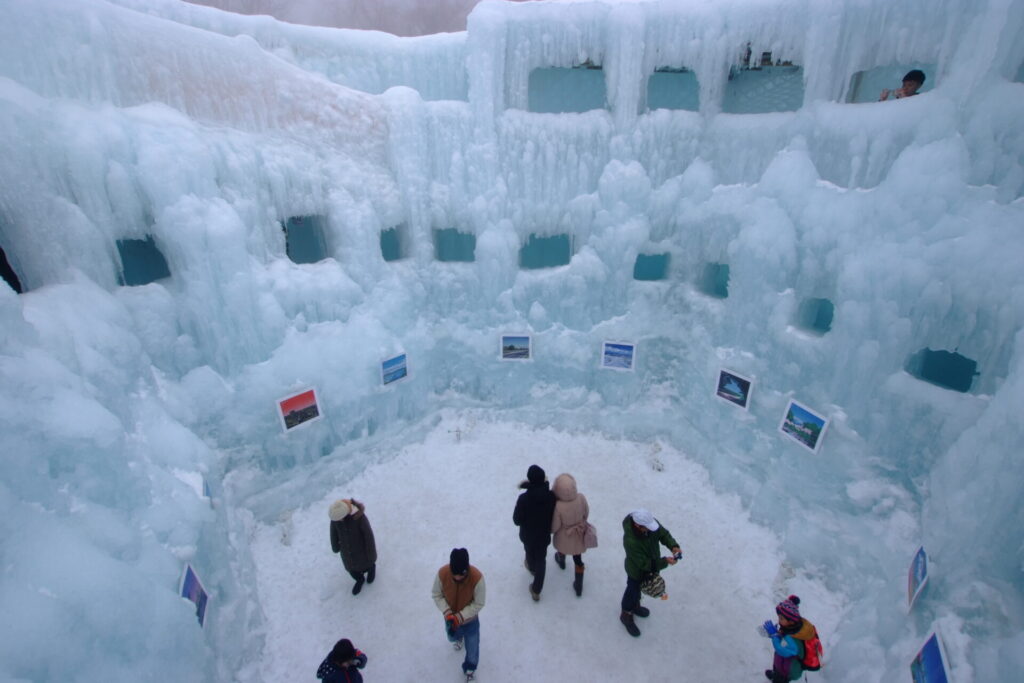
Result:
644,518
340,509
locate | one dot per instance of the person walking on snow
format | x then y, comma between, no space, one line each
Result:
641,534
342,664
532,515
352,537
459,592
570,527
789,639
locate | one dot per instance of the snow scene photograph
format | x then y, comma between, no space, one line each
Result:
256,255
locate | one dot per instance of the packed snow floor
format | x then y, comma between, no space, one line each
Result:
446,493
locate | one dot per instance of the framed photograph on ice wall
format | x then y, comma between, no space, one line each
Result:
734,388
516,347
618,355
298,409
917,577
192,589
931,664
804,426
394,369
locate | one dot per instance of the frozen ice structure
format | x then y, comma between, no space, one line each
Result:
203,212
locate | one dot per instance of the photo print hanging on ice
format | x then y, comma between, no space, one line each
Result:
298,409
516,347
394,369
931,664
804,426
192,590
734,388
917,577
618,355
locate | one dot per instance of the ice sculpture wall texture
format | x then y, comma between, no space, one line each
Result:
207,131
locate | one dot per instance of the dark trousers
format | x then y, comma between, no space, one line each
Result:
360,577
537,560
631,597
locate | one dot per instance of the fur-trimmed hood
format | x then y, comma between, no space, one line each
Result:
565,487
342,508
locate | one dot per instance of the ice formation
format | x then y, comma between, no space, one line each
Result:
202,133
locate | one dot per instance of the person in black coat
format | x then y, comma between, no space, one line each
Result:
342,664
534,509
352,537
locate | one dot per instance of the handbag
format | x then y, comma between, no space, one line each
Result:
589,536
653,585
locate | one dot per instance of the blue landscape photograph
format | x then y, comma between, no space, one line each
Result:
733,388
394,369
515,347
803,425
617,356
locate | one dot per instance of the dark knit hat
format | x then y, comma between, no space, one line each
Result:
789,608
459,561
915,75
535,475
343,651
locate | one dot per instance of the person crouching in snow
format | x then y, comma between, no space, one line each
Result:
342,664
570,527
352,537
789,639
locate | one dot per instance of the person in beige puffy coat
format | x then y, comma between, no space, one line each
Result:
573,535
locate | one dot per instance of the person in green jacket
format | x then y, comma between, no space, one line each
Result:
641,535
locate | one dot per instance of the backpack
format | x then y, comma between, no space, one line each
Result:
813,653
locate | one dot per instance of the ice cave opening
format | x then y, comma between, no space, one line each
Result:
731,262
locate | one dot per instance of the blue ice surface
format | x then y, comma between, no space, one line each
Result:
559,90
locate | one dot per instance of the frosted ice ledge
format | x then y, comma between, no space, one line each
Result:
204,130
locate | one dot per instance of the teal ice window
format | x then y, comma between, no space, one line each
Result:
304,239
393,243
947,369
453,246
650,267
558,90
673,88
714,280
815,315
866,86
764,87
142,262
545,252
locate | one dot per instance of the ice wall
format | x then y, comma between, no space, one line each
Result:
207,130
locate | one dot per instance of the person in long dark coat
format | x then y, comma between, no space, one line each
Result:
532,515
352,537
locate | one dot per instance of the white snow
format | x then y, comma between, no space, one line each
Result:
458,491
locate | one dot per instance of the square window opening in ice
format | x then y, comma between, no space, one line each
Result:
560,90
452,246
142,262
673,88
305,241
545,252
651,267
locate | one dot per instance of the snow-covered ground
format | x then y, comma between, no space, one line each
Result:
447,492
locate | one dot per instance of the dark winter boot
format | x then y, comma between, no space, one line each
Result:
577,583
372,574
627,620
641,611
560,560
358,587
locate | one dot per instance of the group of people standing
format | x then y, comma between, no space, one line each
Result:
541,512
